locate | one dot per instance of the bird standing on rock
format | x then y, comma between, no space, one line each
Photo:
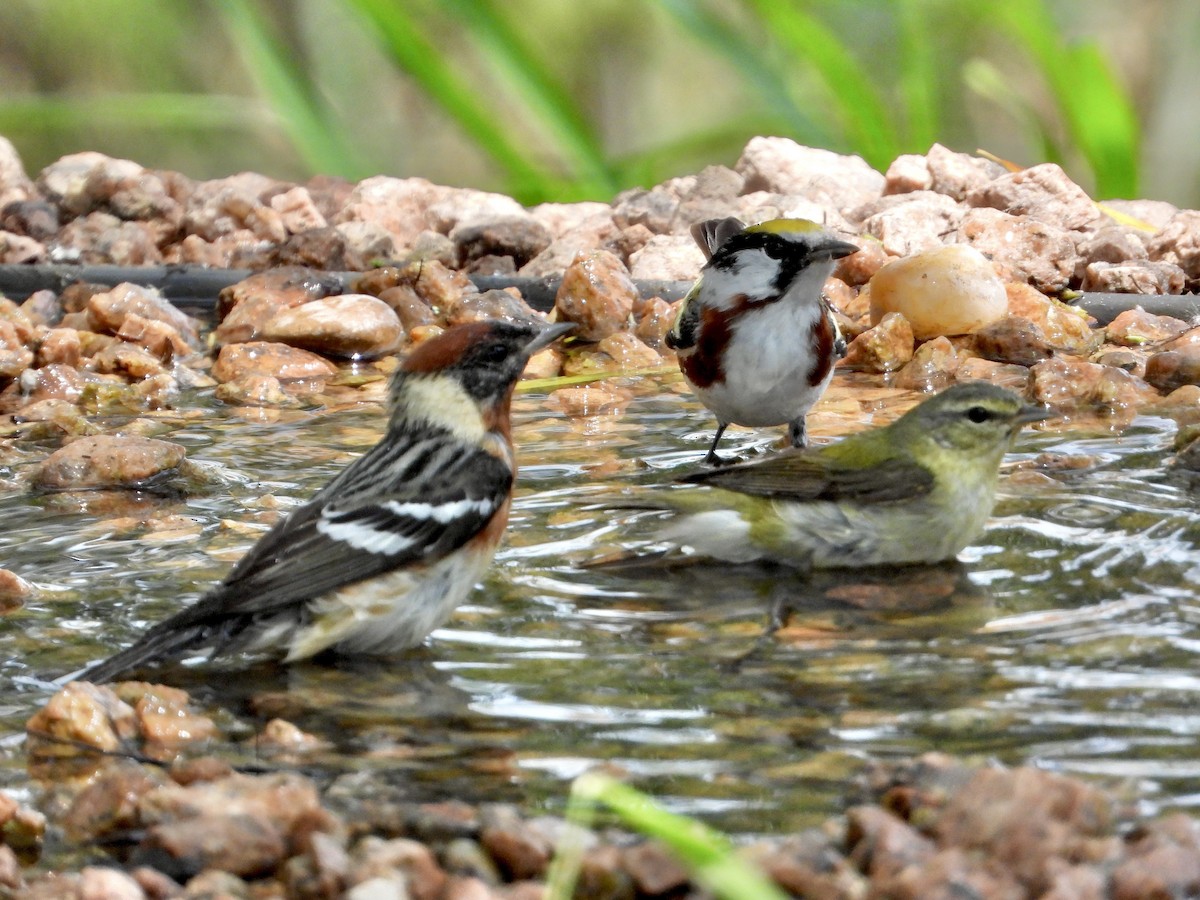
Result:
756,339
383,554
916,491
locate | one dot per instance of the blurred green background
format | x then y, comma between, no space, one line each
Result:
553,100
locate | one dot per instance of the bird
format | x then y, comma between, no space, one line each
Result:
382,555
755,337
915,491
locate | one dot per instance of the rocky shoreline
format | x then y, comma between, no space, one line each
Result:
292,336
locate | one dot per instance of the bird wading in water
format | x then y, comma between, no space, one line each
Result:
756,340
383,554
915,491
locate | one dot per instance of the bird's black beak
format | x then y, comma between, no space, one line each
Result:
1030,413
834,249
548,336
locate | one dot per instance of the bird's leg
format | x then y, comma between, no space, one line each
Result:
797,434
711,459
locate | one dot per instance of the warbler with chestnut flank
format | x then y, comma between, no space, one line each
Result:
756,338
918,490
383,554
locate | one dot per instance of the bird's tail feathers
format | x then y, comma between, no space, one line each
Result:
154,646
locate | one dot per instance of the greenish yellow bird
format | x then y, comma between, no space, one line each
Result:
915,491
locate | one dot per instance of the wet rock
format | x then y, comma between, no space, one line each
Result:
785,167
108,310
521,237
297,211
1130,361
10,871
276,360
520,852
654,870
240,844
1171,369
590,400
367,245
107,461
1038,252
1142,277
667,257
596,294
81,714
55,382
241,824
506,305
932,367
349,325
413,862
244,307
15,357
881,845
918,222
129,360
884,348
1135,327
408,306
859,268
165,719
59,417
1015,378
14,591
1164,861
951,290
100,238
1070,384
1064,327
161,340
1178,242
1042,192
42,308
655,321
1013,339
101,883
618,352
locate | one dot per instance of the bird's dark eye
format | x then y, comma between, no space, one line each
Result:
776,249
493,353
979,414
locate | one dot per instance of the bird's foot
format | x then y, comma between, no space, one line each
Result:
797,433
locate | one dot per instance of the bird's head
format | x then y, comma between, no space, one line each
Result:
969,420
766,259
473,365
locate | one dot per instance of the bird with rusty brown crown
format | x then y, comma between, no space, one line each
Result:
381,556
756,338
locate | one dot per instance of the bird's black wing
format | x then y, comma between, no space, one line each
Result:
806,476
413,497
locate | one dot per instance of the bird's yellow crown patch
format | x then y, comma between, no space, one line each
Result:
782,226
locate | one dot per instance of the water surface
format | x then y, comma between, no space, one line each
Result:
1067,637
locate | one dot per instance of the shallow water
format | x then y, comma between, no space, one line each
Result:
1067,637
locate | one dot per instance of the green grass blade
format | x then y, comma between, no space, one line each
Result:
159,111
860,110
532,83
412,50
1098,114
919,76
707,854
747,58
320,141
